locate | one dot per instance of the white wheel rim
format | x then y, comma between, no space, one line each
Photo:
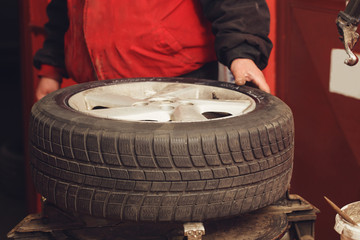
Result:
161,102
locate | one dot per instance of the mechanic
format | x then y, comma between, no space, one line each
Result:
91,40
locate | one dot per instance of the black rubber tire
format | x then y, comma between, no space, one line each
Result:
149,171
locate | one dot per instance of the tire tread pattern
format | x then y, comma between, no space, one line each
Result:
165,175
135,177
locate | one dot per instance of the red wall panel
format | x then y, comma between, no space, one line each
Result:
327,125
32,14
270,70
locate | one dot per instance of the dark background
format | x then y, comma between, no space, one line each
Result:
12,185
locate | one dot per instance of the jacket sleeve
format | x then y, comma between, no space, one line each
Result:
241,29
52,52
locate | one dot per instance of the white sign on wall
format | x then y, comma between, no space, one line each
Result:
344,79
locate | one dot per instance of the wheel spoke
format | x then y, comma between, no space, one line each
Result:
232,107
109,100
138,113
178,91
187,113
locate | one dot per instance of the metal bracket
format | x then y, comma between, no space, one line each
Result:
349,36
304,230
194,230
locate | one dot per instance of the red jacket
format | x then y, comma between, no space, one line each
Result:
116,39
144,38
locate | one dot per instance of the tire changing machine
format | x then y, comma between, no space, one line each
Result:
292,217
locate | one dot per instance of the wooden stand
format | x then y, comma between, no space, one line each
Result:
290,218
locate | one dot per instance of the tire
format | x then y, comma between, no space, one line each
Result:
161,171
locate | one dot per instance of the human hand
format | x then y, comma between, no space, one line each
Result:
45,86
245,70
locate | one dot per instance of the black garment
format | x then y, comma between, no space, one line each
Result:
241,28
52,52
209,71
